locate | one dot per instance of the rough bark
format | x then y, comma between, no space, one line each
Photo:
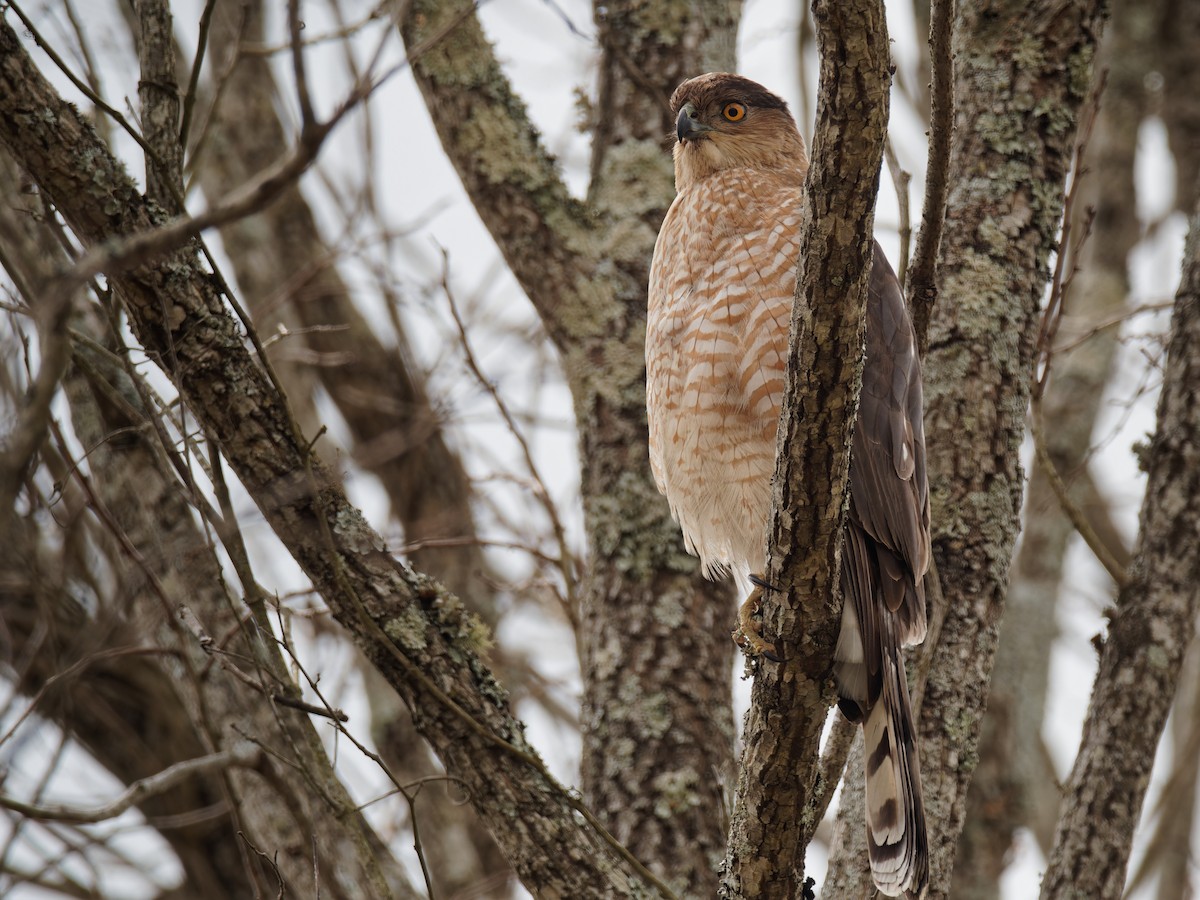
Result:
289,276
1015,785
421,639
658,732
773,821
160,103
1022,71
1149,633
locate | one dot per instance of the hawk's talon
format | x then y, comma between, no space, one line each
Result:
748,634
759,581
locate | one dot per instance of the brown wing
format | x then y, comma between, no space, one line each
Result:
889,493
886,553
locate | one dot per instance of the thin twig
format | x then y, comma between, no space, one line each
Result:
922,282
336,714
244,754
900,179
337,34
565,559
1113,322
1060,286
189,101
307,118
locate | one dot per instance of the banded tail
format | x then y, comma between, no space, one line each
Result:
869,670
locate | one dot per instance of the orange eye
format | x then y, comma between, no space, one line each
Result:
734,112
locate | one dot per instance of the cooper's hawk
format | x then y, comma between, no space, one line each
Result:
721,289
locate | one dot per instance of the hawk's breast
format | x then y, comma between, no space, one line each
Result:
720,302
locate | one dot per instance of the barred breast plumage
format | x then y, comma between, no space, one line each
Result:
720,306
720,301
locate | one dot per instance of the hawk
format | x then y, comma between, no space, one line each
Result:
720,303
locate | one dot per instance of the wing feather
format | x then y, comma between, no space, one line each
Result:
889,492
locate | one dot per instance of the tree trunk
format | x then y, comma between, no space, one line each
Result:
656,655
1022,71
1148,635
1015,785
774,818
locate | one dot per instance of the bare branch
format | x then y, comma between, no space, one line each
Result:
921,284
783,727
245,754
1149,633
189,99
419,637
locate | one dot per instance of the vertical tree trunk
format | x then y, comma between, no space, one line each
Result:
656,656
774,819
1022,71
1150,631
1014,785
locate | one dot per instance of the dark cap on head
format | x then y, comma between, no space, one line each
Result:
723,87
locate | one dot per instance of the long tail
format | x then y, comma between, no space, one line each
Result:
896,840
873,690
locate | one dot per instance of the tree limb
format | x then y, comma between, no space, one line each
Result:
244,754
1148,634
417,635
921,283
783,727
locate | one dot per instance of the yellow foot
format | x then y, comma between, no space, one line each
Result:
748,634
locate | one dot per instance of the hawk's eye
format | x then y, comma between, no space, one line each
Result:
734,112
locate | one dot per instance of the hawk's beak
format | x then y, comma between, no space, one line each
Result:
687,126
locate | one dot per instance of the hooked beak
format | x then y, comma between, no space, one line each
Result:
687,126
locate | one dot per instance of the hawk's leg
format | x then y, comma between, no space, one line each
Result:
748,634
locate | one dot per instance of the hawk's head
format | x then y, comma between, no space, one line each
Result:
725,121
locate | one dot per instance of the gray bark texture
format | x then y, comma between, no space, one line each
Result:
1149,633
656,656
288,275
1022,71
775,817
1015,784
420,637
